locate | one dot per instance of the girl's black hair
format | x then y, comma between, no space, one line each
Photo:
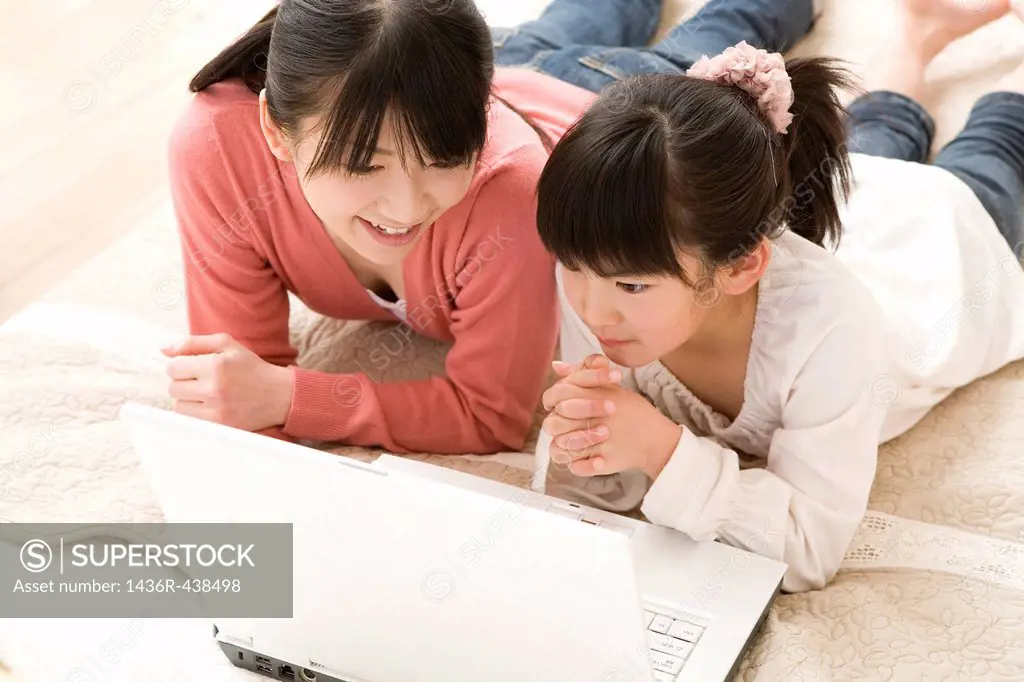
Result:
664,164
428,63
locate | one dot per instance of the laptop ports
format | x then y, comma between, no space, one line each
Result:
265,669
261,659
286,672
308,675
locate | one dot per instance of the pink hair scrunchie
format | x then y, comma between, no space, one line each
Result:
756,72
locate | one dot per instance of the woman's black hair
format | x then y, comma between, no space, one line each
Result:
427,63
664,164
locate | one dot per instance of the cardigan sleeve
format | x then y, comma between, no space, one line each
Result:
230,288
805,505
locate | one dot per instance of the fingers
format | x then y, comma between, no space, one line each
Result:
582,408
594,378
583,441
193,409
584,403
189,390
562,458
555,425
562,369
200,345
576,453
187,367
594,466
577,433
579,466
559,392
593,361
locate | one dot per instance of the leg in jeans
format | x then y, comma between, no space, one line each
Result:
773,25
614,23
891,125
989,156
768,24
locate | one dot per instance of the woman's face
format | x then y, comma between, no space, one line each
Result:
382,212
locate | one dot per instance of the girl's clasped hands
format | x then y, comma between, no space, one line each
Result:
599,427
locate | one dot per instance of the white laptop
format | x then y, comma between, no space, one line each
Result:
408,572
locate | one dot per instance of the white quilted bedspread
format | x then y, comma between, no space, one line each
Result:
933,587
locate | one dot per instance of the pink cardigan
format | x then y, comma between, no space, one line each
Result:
479,278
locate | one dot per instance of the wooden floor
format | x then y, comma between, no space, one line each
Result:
91,89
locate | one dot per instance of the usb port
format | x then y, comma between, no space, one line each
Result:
286,672
262,659
265,669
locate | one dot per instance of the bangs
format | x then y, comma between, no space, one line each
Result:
435,98
604,197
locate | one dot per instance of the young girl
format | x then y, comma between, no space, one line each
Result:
737,342
367,157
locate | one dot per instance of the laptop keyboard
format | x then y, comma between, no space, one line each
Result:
671,640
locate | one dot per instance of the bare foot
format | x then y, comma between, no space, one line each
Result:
937,23
925,28
1015,81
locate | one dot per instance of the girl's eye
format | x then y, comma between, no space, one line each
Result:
367,170
633,288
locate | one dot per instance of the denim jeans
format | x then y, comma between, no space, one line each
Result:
592,43
988,155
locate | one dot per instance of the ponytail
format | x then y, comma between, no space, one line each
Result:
663,164
818,160
246,59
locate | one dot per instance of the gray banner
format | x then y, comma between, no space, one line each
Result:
161,570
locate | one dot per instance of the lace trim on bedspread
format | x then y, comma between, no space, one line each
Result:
886,542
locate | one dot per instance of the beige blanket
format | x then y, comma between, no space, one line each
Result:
933,587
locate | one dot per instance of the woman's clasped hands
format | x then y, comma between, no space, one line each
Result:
599,427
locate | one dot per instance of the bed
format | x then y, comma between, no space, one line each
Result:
932,587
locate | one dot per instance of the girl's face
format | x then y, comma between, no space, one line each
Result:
637,319
382,212
642,319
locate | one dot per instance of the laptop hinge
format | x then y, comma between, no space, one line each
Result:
245,642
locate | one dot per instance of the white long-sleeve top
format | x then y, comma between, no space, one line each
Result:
849,350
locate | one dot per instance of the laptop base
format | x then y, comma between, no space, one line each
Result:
755,633
272,668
